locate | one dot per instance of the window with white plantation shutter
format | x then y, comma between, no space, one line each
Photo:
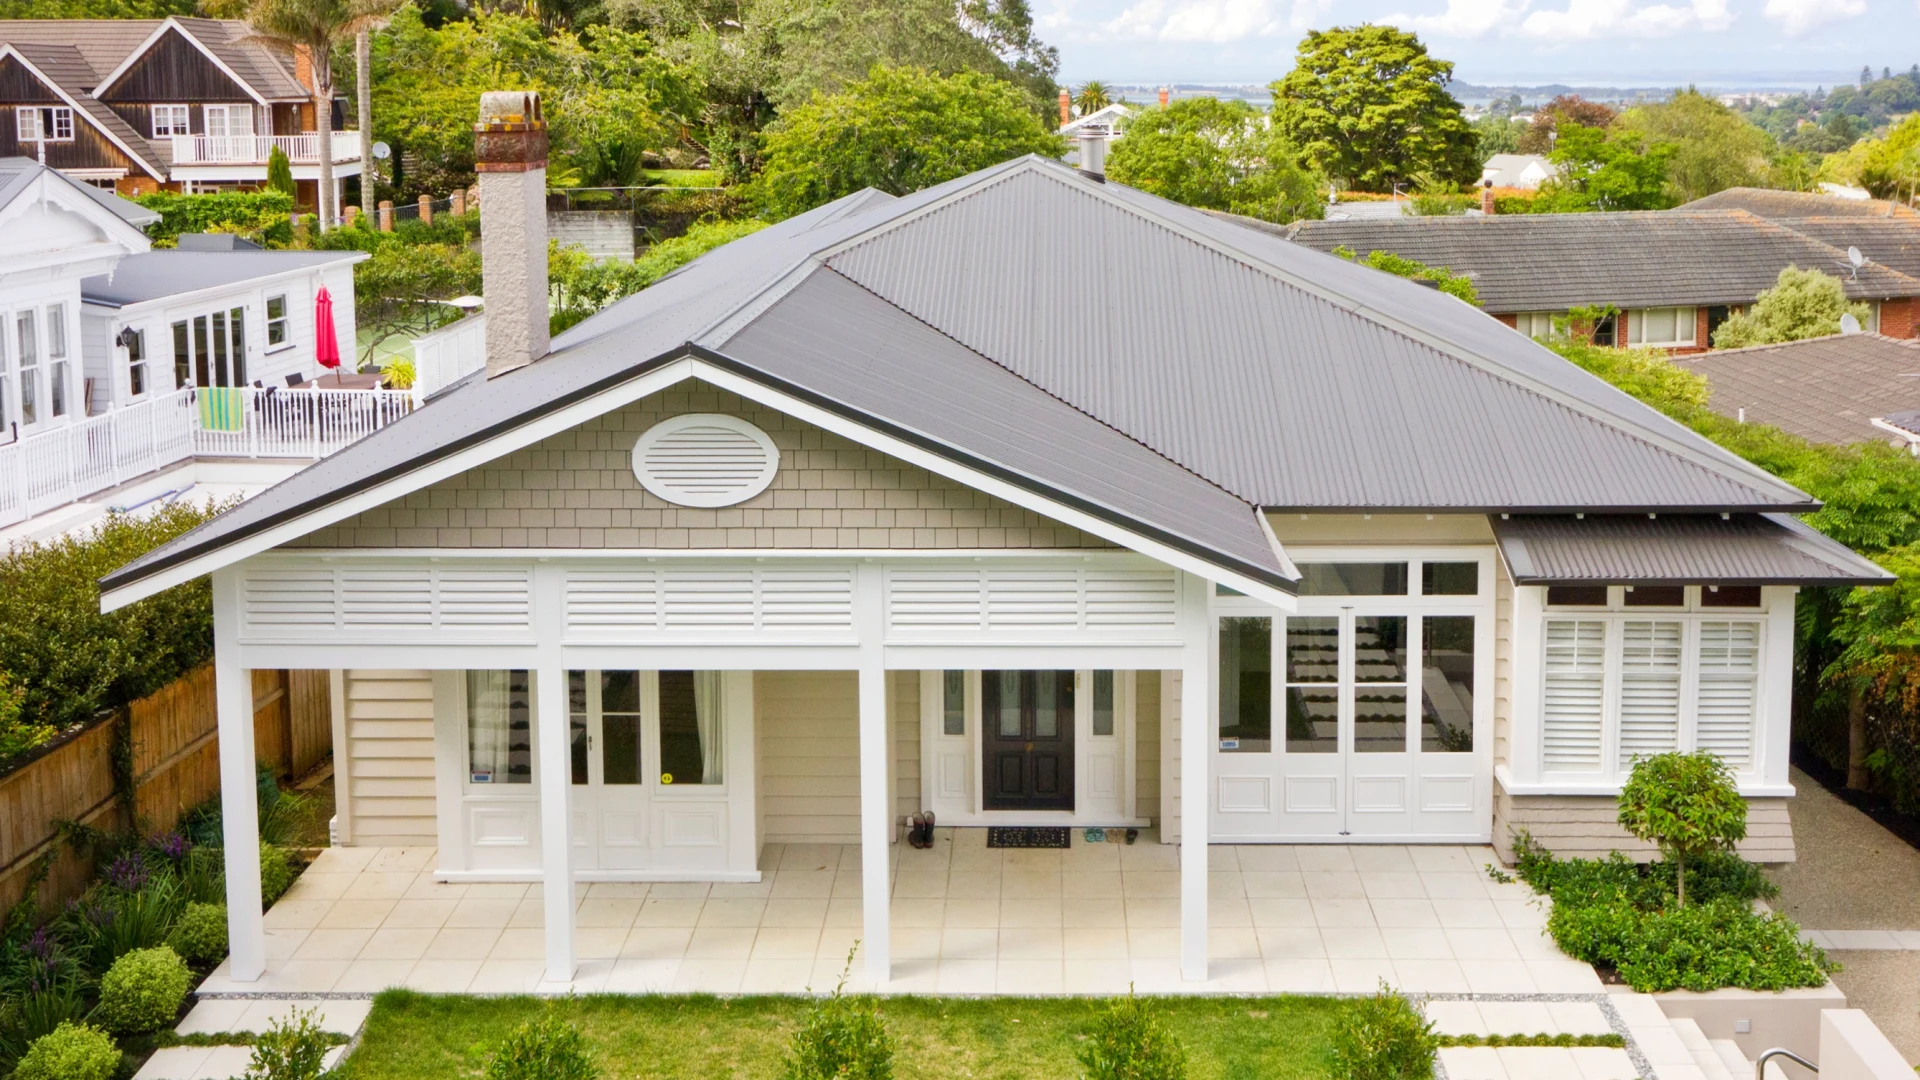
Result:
1729,684
1650,651
1575,682
705,460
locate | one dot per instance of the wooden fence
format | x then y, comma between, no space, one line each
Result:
176,766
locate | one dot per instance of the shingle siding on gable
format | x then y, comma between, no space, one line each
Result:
577,490
174,70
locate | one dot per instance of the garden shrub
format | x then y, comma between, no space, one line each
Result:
276,873
1130,1041
1384,1037
200,935
261,216
291,1049
132,907
142,991
842,1038
545,1048
1685,803
69,1052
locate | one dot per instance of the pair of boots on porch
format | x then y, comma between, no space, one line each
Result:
920,830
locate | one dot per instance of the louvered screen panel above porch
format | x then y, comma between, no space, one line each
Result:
644,603
949,603
375,605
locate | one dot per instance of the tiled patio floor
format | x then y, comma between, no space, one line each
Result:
966,920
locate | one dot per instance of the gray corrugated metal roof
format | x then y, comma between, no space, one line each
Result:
1826,389
1908,421
1745,549
1285,377
1550,262
1772,204
155,274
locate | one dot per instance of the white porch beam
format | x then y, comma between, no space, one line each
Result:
239,801
876,812
1196,766
556,819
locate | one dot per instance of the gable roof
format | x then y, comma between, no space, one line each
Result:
1890,242
1826,389
1235,372
1769,203
156,274
110,46
1653,258
17,178
62,69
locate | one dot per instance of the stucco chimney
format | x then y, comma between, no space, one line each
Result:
1163,97
510,156
1486,197
1066,107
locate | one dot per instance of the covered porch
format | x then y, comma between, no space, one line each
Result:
965,919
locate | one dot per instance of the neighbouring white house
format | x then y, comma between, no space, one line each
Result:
1094,133
1527,171
869,514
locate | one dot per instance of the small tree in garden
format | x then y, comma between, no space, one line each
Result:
842,1038
1130,1041
547,1048
279,171
294,1048
1685,803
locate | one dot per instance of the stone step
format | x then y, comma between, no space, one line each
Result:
1733,1058
1698,1045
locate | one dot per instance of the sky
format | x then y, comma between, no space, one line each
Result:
1597,42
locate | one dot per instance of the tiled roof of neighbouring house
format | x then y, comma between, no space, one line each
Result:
1825,389
1890,242
1233,372
1769,203
105,44
1658,258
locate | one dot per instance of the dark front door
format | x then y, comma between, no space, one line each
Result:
1027,739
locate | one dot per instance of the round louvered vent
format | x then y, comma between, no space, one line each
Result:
705,460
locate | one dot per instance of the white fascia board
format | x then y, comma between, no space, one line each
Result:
64,192
652,382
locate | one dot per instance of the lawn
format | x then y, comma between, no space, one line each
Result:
414,1035
690,178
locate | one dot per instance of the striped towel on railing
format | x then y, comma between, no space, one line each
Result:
223,408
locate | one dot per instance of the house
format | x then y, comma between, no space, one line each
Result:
109,347
1846,388
1099,129
1775,205
176,104
1887,233
1526,171
1672,275
865,515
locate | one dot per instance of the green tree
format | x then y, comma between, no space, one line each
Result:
1215,154
1497,134
1891,166
1686,804
279,172
1715,148
1092,97
1602,171
1368,104
1801,304
1565,109
898,130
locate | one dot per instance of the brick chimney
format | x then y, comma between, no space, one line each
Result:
1163,97
303,68
1486,197
1066,107
510,156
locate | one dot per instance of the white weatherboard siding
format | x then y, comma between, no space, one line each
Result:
390,794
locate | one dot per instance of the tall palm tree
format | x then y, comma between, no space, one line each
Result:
1093,97
318,26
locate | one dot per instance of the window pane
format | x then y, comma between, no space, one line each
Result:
1313,692
620,748
953,706
1577,595
620,691
577,724
690,710
1747,596
1003,701
1449,579
222,375
499,735
238,335
57,331
1446,684
1574,694
1649,688
1103,703
1353,579
1380,649
182,357
1380,720
1246,684
1656,596
1052,703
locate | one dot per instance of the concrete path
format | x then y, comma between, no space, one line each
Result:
1856,889
225,1015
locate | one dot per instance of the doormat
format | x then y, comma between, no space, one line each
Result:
1029,836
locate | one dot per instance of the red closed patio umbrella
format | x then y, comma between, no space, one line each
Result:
326,344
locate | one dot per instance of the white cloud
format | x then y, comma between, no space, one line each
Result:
1463,18
1583,20
1216,22
1796,17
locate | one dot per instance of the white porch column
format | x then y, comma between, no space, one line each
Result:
239,799
1196,767
556,819
876,813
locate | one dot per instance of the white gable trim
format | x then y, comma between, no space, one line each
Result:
652,382
173,22
63,192
82,111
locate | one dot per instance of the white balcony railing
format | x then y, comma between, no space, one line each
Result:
302,149
69,463
449,354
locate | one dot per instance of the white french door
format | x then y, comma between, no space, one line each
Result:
607,739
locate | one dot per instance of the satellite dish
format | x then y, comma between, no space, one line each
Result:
382,151
1854,256
1849,324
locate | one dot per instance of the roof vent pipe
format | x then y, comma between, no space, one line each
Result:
510,156
1093,152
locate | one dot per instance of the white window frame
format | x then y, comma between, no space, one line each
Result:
282,326
227,114
59,366
177,121
1537,325
143,363
1686,327
26,121
1691,616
